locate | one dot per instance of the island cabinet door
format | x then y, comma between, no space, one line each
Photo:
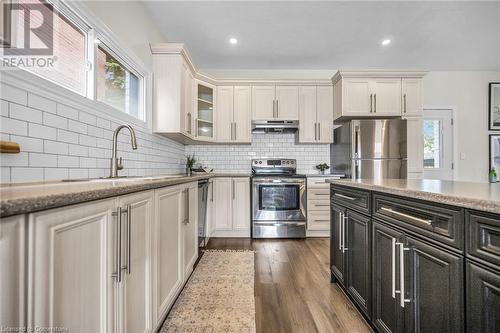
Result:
387,314
483,299
337,257
433,291
357,250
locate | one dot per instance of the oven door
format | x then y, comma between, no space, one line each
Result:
279,199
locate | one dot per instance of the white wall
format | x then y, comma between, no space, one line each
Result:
131,23
468,92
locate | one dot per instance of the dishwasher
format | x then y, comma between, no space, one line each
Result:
202,212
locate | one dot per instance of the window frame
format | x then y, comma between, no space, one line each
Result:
96,33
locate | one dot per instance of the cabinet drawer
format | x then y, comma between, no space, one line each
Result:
318,220
317,182
441,223
352,198
318,194
318,205
483,235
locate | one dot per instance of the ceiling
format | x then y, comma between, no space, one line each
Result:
330,35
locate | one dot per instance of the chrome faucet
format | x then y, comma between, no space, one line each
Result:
116,164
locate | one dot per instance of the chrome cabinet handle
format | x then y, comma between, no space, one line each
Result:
346,218
341,215
393,280
375,103
211,191
319,131
187,207
414,218
371,103
404,103
315,131
344,196
232,188
232,137
402,298
189,122
234,131
274,108
118,245
129,236
277,109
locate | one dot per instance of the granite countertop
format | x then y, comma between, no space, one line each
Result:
22,198
479,196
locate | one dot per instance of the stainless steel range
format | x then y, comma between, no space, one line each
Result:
278,199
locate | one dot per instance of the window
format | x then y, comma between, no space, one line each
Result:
432,143
116,85
86,59
69,68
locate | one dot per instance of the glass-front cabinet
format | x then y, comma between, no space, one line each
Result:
205,107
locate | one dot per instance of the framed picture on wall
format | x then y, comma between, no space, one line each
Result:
494,106
495,152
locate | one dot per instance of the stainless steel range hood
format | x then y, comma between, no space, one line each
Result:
275,126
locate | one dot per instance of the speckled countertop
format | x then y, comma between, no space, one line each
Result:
479,196
22,198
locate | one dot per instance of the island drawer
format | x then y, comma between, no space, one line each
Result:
483,237
441,223
355,199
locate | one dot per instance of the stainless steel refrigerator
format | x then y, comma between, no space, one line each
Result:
370,149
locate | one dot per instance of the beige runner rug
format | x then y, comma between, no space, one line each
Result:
219,296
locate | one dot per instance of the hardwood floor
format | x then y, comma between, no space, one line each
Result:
293,292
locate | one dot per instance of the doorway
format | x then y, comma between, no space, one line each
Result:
437,127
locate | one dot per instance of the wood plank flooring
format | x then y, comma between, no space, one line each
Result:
293,292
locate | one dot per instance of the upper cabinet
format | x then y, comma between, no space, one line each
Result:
234,114
205,101
275,102
316,114
377,94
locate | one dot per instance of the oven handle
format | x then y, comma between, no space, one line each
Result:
295,182
279,224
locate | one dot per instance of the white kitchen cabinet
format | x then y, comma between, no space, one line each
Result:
234,124
412,97
232,207
316,114
72,256
287,102
386,95
210,210
205,101
318,207
187,100
189,213
135,290
376,94
263,102
13,272
167,254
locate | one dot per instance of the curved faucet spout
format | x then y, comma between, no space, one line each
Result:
115,163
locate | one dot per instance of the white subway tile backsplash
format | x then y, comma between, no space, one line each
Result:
78,150
28,144
87,140
67,111
68,161
25,174
4,174
86,118
4,108
88,162
42,160
22,112
78,173
56,173
54,147
41,131
13,126
76,126
66,136
42,103
21,159
12,94
53,120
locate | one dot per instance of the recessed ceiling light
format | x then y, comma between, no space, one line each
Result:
233,41
386,42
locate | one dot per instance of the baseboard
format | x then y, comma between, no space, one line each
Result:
230,233
317,233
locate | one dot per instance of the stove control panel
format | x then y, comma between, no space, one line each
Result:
268,163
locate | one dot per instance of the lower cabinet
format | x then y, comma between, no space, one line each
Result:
350,253
483,299
232,207
417,287
189,205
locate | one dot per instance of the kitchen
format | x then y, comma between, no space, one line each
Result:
237,166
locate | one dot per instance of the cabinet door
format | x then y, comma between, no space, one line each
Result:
136,287
435,281
356,98
308,128
325,114
242,115
223,204
224,114
13,272
204,103
412,97
241,203
167,270
386,97
187,99
190,228
72,256
263,98
337,263
287,99
387,313
483,299
357,231
318,220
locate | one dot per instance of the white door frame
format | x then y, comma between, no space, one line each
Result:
454,153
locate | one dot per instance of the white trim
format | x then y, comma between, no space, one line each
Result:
454,118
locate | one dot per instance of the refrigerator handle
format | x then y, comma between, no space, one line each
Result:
356,141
